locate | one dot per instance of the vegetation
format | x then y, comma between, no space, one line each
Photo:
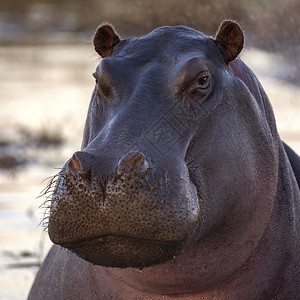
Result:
269,23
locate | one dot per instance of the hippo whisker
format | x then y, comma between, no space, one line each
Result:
44,223
48,192
52,180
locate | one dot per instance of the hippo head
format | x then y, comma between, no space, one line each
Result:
169,152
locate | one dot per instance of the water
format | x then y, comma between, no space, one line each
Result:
45,91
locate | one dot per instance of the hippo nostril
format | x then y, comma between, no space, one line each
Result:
130,162
79,165
74,163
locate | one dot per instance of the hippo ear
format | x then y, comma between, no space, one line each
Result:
230,39
105,39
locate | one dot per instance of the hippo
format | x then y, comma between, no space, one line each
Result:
183,187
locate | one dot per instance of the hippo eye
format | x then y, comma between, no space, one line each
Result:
203,81
200,85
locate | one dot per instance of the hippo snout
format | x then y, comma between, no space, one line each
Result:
122,212
81,163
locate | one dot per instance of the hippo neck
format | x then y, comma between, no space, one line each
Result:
191,276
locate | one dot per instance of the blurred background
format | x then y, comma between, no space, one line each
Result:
46,66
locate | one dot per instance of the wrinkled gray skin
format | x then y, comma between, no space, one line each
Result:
183,187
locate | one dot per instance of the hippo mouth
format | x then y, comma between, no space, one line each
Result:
124,251
123,221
